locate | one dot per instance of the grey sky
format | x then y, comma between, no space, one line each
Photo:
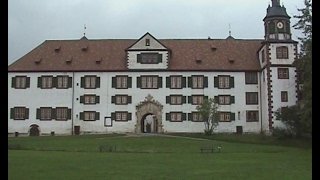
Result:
31,22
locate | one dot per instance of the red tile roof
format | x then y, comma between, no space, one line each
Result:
84,55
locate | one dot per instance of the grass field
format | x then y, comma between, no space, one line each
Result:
159,157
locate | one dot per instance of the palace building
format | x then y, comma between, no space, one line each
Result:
154,85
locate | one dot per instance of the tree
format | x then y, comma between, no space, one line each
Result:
290,117
304,63
208,111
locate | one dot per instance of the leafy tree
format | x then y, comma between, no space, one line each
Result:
208,110
304,64
290,117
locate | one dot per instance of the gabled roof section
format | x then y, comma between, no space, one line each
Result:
148,42
109,55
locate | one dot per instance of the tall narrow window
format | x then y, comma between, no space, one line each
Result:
122,82
46,82
224,82
90,82
263,56
62,113
45,113
175,82
62,82
147,42
284,96
197,81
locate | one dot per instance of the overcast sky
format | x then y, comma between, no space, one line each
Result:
31,22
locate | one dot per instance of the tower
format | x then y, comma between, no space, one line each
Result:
277,22
278,75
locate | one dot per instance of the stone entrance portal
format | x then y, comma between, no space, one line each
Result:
149,107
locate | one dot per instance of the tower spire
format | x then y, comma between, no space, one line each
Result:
229,29
84,30
275,3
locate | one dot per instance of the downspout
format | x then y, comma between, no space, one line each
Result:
72,105
260,101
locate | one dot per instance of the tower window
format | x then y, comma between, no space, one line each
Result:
282,52
147,42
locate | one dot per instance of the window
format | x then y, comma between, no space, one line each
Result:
283,73
224,99
122,82
282,52
284,96
46,82
224,82
225,116
176,116
197,81
62,82
89,116
45,113
121,116
147,42
149,82
251,97
89,99
263,56
121,99
252,116
149,58
251,78
20,82
175,82
175,99
61,113
19,113
90,82
196,116
197,99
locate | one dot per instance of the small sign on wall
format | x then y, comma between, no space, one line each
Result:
107,122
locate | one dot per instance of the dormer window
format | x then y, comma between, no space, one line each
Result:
147,42
149,58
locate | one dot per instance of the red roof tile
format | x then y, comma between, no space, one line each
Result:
84,55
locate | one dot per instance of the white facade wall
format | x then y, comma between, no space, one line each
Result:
279,85
34,97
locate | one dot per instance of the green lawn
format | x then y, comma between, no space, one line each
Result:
158,157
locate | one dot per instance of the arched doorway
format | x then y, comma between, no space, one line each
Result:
146,109
34,130
149,123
